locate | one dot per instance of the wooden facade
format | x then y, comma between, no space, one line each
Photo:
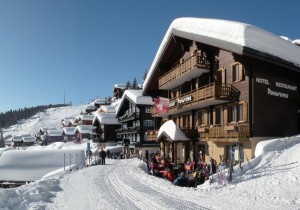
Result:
135,120
225,101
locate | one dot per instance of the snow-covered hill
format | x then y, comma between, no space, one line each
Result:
51,118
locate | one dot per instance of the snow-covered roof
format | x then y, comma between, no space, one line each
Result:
84,128
28,139
106,119
172,131
106,109
100,101
120,86
85,117
68,130
233,36
17,138
136,96
53,132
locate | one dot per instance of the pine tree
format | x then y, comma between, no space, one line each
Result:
128,85
135,84
145,75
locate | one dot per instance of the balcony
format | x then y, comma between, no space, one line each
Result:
128,117
210,94
128,130
228,133
186,70
151,135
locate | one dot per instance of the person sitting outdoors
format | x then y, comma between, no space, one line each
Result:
181,180
189,166
169,175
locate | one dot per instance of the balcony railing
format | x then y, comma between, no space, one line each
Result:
128,130
193,66
151,135
211,91
224,133
127,117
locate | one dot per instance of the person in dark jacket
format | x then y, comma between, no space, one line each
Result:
181,180
147,160
102,156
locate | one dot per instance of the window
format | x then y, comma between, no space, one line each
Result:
231,114
221,76
148,123
201,118
219,116
148,109
137,123
236,113
237,72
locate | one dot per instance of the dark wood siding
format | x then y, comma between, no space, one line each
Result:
275,106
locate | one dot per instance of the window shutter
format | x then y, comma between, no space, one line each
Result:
241,72
223,76
214,117
245,111
225,121
205,118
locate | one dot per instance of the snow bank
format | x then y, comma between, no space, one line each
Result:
23,165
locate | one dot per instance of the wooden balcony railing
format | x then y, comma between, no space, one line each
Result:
151,135
127,117
225,132
217,92
193,63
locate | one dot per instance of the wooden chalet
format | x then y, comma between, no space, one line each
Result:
134,114
85,132
106,125
68,133
228,86
84,119
118,91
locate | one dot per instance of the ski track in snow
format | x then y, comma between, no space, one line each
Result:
118,185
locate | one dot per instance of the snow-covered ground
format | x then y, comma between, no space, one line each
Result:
273,183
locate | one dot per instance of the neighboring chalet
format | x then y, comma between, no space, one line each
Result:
119,90
53,135
134,114
226,85
68,133
106,125
100,102
85,132
89,109
22,140
84,119
68,122
106,109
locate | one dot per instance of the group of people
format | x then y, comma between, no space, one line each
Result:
193,174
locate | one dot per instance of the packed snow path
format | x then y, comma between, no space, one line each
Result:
118,185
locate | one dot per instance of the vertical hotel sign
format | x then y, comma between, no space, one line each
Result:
276,87
161,105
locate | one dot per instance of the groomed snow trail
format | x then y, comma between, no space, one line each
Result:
118,185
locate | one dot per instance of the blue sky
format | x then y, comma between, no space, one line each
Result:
84,47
